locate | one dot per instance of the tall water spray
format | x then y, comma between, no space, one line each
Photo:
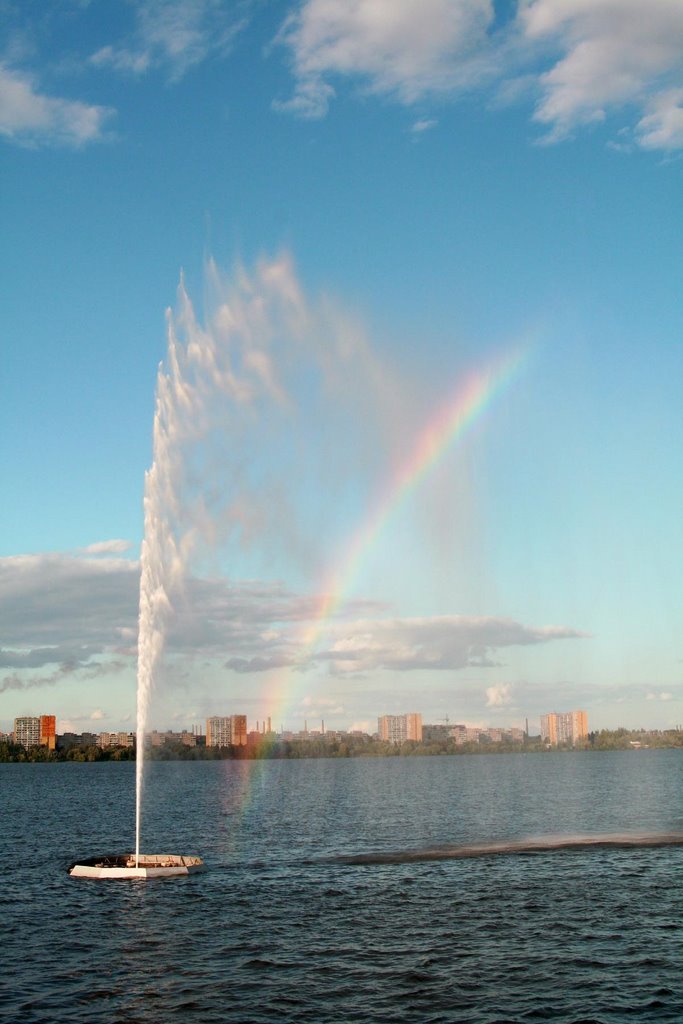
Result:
224,399
211,373
160,563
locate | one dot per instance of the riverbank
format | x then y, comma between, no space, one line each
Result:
273,748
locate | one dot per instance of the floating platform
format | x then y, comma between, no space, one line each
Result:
148,865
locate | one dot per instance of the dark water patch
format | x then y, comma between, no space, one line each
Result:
519,847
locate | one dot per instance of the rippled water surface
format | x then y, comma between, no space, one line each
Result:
281,927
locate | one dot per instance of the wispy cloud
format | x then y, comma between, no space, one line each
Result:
583,59
662,125
579,62
107,547
174,35
399,49
75,723
436,643
82,671
423,125
64,601
33,118
66,615
614,53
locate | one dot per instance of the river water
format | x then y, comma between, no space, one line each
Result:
281,927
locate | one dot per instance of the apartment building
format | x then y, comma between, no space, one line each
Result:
399,728
48,731
226,731
564,727
27,732
36,731
116,739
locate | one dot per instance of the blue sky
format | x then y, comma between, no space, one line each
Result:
435,184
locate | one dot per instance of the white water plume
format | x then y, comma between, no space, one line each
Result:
229,391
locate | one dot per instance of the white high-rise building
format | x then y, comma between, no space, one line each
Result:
27,732
226,731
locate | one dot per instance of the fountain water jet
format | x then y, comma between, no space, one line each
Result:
162,565
160,569
232,381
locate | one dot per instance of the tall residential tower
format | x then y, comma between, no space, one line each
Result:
230,731
398,728
565,727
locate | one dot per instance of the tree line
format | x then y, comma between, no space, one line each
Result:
346,746
15,752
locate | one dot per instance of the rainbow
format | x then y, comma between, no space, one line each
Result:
470,400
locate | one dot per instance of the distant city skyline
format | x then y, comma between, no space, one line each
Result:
235,730
412,274
231,736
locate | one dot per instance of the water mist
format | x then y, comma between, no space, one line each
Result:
232,397
212,374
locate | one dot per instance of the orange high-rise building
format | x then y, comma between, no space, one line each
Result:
48,727
398,728
567,727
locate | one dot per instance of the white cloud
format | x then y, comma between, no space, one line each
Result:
172,34
424,124
665,695
65,725
121,59
662,126
396,47
56,605
107,547
75,723
317,702
584,60
65,615
499,696
437,643
311,99
317,709
83,669
615,53
587,59
33,118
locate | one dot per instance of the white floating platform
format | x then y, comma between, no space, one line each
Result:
149,865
